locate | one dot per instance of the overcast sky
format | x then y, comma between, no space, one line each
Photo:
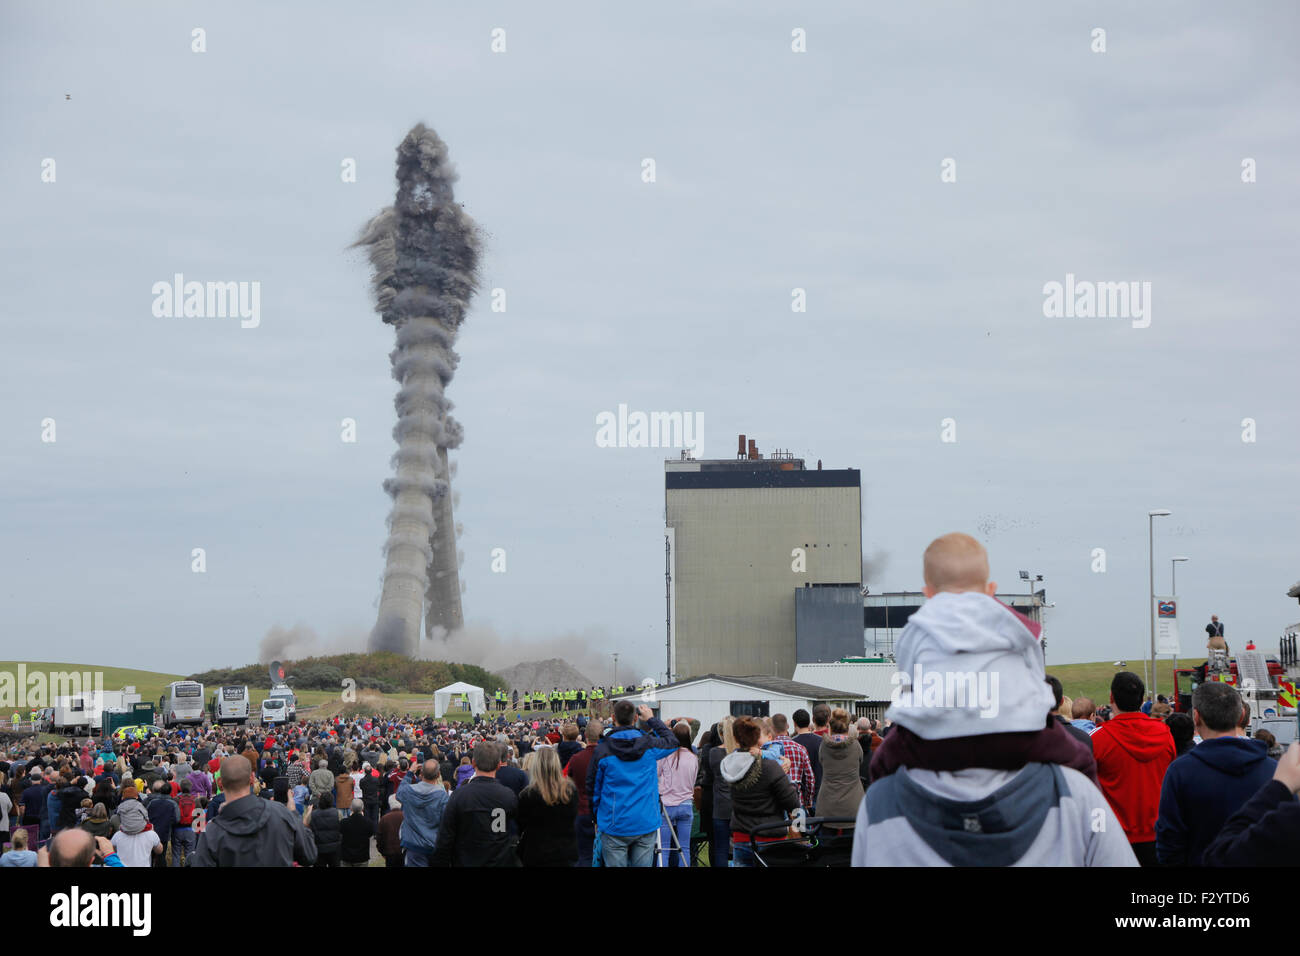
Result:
775,170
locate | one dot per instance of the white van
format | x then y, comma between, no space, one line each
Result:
275,711
181,703
285,693
229,704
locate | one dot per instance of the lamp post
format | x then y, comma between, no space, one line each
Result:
1173,574
1030,579
1173,587
1151,595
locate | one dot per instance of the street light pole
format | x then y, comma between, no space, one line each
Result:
1151,595
1173,584
1173,574
616,669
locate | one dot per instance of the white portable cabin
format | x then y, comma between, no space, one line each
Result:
713,697
84,712
872,680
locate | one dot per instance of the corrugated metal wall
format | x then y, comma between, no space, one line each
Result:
828,624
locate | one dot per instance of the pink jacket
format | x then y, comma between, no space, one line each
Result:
677,777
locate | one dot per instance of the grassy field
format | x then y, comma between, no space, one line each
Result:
149,685
1091,680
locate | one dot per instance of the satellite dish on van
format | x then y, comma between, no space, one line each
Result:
276,671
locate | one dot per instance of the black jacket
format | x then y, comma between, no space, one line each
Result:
512,777
711,780
324,828
475,829
761,793
69,800
1080,735
1265,832
255,832
813,744
546,834
370,789
334,760
566,749
355,833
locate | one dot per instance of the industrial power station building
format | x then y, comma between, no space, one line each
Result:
742,537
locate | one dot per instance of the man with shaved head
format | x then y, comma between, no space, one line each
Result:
251,831
77,849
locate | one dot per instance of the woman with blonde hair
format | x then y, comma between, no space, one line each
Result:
19,855
548,810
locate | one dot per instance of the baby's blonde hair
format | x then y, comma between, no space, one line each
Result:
956,562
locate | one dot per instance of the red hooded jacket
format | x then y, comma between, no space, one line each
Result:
1133,751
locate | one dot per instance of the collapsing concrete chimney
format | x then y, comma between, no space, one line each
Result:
424,250
443,596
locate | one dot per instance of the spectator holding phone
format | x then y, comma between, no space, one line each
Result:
624,785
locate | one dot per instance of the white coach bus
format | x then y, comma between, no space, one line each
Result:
181,703
229,704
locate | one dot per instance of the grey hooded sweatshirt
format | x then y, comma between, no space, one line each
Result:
967,667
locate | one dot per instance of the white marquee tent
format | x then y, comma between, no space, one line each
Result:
474,695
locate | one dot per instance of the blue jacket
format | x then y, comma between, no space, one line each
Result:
422,806
624,781
1202,789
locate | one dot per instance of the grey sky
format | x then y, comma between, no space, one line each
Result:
775,170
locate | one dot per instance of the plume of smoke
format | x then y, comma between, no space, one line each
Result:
486,648
469,645
299,641
873,567
424,252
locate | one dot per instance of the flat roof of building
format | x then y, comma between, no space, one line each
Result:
762,478
773,685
